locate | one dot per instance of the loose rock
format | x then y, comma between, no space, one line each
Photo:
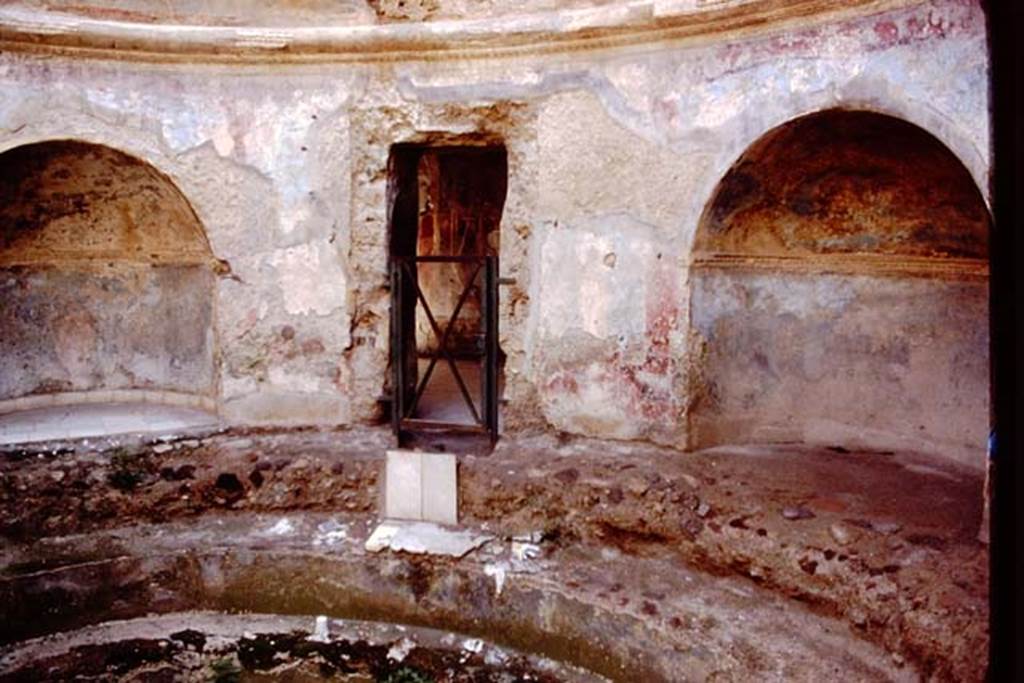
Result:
840,533
797,513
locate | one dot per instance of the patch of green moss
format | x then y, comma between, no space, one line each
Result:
225,670
407,674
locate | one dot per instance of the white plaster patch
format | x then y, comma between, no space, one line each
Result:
400,650
584,288
223,141
424,538
330,533
283,527
311,278
498,572
284,378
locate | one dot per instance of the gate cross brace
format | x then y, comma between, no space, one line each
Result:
442,338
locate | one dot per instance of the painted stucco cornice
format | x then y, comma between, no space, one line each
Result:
946,268
628,24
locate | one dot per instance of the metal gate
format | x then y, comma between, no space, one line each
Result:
407,387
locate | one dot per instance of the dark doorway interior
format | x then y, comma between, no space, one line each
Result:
445,210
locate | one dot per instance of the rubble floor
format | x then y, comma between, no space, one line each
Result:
876,549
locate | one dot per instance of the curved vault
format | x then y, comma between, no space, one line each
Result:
107,277
840,292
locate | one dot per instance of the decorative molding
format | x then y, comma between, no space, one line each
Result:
13,258
638,23
851,264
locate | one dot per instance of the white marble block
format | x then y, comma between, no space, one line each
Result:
440,488
421,486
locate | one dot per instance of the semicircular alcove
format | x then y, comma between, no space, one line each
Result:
106,279
840,292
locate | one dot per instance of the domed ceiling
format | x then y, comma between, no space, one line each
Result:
310,12
294,29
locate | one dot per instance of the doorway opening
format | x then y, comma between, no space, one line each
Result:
445,205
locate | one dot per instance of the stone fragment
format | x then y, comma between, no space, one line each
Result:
524,550
703,509
637,486
841,533
798,512
424,538
320,633
283,527
690,480
474,645
330,533
497,571
400,650
535,536
886,527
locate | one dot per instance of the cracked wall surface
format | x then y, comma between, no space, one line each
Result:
613,154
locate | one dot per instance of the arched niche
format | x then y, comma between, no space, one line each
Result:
840,292
106,280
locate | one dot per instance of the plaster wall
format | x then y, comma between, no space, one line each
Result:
613,153
859,361
122,327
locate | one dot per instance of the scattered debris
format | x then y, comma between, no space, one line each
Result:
400,650
798,512
522,550
690,480
283,527
495,657
841,533
474,645
330,533
321,633
498,571
424,538
535,536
